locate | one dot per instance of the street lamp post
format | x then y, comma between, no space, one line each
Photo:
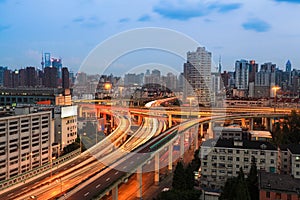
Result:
275,88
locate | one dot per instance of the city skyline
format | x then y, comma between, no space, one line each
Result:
78,27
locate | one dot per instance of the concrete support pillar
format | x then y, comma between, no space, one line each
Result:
243,120
156,170
115,193
210,130
267,123
105,119
140,119
196,140
251,123
181,139
201,130
139,174
271,124
111,121
79,111
170,157
98,113
170,120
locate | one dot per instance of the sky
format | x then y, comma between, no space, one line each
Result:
263,30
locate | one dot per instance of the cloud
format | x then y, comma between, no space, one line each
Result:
4,27
88,22
78,19
289,1
256,25
144,18
183,10
224,8
124,20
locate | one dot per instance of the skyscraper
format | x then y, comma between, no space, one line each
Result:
47,62
65,78
50,77
288,66
2,70
57,63
197,73
241,74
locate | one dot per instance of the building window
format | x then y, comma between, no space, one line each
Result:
237,159
268,195
289,197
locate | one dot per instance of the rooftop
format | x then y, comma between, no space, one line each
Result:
278,182
239,144
294,148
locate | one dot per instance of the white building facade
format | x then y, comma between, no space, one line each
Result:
222,159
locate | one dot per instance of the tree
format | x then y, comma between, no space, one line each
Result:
179,177
242,192
288,131
252,180
236,188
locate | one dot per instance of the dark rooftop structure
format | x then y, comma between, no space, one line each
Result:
294,148
278,182
240,144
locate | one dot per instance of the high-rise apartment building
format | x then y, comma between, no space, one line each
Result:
242,75
25,141
50,77
66,125
65,78
2,70
265,80
197,73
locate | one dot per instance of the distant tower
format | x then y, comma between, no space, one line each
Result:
220,65
43,63
288,66
47,60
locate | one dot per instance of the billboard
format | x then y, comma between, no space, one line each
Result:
68,111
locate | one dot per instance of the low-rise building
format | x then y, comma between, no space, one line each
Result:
278,186
231,132
223,158
294,160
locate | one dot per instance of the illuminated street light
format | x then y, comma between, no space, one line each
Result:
275,88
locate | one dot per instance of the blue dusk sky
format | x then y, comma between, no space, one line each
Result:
264,30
